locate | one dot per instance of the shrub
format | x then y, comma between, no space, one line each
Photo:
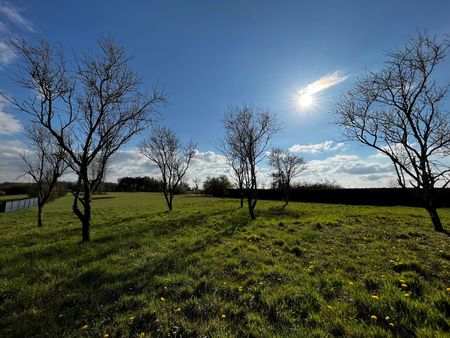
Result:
216,186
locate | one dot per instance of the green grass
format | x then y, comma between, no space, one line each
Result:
205,269
13,197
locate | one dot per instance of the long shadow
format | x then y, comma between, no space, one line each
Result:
276,212
96,292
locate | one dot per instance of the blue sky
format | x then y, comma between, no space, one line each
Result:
209,55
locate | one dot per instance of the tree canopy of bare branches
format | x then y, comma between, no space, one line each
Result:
399,110
247,136
164,149
287,166
44,163
91,109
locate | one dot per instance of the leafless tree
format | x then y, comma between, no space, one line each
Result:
164,149
196,182
44,163
287,166
90,109
247,135
237,172
399,111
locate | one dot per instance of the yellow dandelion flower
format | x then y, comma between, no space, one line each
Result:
351,283
142,334
223,316
85,327
407,294
448,289
131,318
162,299
373,317
391,324
105,335
402,281
374,297
330,307
404,285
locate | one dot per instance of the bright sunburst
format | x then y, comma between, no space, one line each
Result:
308,97
305,100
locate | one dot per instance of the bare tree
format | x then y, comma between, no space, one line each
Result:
399,112
91,109
44,163
237,172
286,166
164,149
247,135
196,182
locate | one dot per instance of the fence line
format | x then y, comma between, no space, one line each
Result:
10,206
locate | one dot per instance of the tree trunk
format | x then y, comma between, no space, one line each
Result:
40,209
170,202
435,219
241,194
86,221
251,208
286,198
168,199
252,204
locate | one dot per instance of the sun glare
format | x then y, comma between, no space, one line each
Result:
305,100
308,97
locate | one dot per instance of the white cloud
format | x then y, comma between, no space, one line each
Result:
13,16
131,163
350,171
316,148
323,83
11,165
6,53
12,23
9,125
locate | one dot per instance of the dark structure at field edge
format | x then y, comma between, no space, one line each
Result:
371,196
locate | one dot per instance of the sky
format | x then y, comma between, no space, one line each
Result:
294,58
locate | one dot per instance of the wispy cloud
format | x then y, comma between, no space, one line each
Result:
316,148
323,83
9,125
12,15
12,23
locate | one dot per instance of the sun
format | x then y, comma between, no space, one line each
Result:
305,100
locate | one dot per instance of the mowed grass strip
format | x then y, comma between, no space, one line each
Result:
205,269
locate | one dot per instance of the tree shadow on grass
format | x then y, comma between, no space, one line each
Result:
277,212
99,293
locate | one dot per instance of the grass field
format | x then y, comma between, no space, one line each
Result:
13,197
205,269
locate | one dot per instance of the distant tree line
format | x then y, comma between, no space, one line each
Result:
139,184
31,189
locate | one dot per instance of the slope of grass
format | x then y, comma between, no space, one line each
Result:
205,269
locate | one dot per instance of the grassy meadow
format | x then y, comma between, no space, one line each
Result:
13,197
206,269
